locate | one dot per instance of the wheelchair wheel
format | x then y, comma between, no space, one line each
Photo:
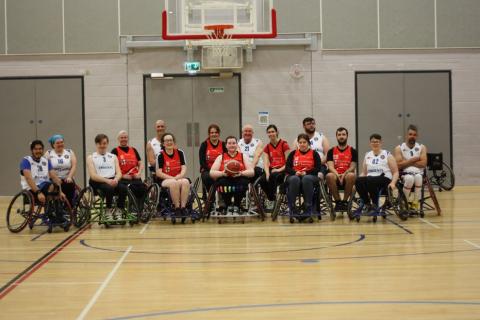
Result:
83,207
19,211
194,205
68,217
326,202
444,178
353,205
151,203
399,203
132,208
280,206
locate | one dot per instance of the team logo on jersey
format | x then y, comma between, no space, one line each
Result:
416,149
382,157
251,144
316,138
67,156
44,163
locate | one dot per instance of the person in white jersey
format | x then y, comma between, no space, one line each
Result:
318,143
105,174
252,147
64,162
411,159
154,146
37,174
379,171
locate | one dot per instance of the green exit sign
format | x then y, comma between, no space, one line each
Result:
192,66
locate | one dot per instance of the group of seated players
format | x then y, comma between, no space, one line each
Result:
298,171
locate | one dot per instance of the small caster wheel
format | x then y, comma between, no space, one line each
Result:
183,220
193,220
374,219
310,220
384,216
131,223
107,225
357,219
122,223
66,227
333,216
219,221
50,228
174,221
422,214
292,220
404,216
243,221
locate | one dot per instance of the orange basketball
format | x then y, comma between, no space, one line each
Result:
232,167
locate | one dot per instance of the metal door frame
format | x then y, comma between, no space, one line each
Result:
82,84
186,75
449,72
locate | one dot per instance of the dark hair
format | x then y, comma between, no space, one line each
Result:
412,127
308,119
100,137
214,126
303,136
341,129
230,137
272,126
35,143
167,134
375,136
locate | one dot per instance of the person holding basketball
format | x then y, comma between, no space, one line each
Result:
64,162
171,172
232,172
274,158
210,149
302,168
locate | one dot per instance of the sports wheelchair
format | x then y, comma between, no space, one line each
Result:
390,202
158,204
439,173
24,209
322,205
90,207
426,202
251,207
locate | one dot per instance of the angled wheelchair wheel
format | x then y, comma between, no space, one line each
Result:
83,207
326,202
151,203
444,178
194,206
133,211
19,211
64,211
399,203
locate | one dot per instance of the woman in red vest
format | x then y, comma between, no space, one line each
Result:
171,172
210,149
274,160
131,167
229,185
303,165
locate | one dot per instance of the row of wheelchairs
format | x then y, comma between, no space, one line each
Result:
88,206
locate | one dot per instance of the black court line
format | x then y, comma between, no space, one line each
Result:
399,225
39,235
37,264
361,238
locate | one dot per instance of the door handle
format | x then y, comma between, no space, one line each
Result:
32,122
196,130
408,115
189,134
40,121
399,115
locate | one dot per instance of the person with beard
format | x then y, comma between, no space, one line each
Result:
318,143
411,159
252,147
342,161
154,146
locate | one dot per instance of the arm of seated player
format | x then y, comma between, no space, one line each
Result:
266,164
203,157
363,172
325,146
182,173
422,162
258,153
73,169
317,165
138,175
289,165
331,168
352,168
215,172
401,162
249,171
93,173
394,168
27,174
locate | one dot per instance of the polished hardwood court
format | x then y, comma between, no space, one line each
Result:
416,269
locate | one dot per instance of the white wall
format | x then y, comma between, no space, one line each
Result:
114,89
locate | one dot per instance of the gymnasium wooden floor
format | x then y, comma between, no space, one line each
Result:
418,269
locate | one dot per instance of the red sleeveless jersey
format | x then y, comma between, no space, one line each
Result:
342,160
276,155
226,157
128,161
213,152
172,165
303,162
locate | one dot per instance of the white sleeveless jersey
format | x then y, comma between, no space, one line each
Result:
156,146
410,153
316,143
61,163
378,165
249,150
39,171
104,164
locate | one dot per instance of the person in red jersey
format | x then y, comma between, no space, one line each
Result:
342,161
171,173
131,166
274,158
232,184
302,167
210,149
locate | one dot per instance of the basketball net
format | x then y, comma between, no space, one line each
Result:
219,41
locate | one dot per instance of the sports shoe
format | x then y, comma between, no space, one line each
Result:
110,214
415,205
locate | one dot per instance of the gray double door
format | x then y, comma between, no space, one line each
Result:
387,103
36,109
188,105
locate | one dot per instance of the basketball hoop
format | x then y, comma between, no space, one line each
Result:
219,41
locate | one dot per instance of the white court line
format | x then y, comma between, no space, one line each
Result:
144,228
104,285
472,244
429,223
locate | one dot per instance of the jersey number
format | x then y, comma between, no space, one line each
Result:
375,161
